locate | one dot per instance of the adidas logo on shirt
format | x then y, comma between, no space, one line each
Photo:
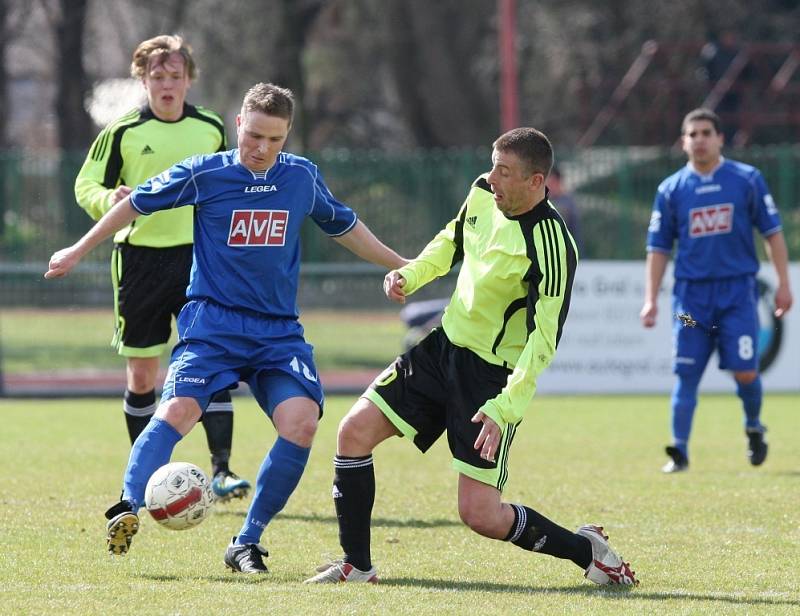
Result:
147,150
471,220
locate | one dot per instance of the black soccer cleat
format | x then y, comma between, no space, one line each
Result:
678,462
123,524
247,558
756,445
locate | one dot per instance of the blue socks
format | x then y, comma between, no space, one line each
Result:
278,477
751,396
151,450
684,401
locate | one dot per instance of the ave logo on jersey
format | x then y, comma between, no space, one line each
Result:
258,228
711,220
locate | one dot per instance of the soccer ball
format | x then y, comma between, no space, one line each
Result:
179,496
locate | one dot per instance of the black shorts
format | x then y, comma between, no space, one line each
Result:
149,290
437,386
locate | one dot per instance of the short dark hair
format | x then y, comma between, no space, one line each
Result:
702,113
271,100
531,146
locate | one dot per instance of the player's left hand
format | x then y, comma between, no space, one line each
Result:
783,301
489,438
393,285
62,262
648,314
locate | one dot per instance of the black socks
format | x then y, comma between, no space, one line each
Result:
353,497
218,424
534,532
139,408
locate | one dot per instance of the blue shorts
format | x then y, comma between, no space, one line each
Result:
726,312
219,346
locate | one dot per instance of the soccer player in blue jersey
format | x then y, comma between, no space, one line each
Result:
241,321
710,208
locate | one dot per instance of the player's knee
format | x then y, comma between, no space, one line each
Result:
302,431
477,518
745,378
180,413
142,374
360,430
140,381
350,436
347,432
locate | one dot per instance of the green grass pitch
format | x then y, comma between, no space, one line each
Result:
723,538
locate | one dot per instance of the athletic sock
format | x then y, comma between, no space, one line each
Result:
218,424
139,408
277,478
684,402
152,450
751,395
533,532
353,496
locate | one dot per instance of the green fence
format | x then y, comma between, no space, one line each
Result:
404,198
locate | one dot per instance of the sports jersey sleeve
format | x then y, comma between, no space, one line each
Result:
173,188
547,307
332,216
661,232
99,176
438,257
764,213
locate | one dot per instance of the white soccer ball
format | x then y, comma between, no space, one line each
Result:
179,496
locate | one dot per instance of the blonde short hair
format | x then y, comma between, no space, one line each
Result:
157,49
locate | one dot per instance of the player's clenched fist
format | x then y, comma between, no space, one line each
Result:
62,262
648,314
393,285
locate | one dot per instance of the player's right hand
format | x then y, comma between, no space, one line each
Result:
120,193
783,300
393,285
62,262
488,441
648,314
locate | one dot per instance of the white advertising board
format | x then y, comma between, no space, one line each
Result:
605,349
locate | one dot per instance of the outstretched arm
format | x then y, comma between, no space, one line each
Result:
779,255
654,273
117,218
363,243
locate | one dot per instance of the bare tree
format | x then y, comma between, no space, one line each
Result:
297,19
13,16
434,49
3,75
74,123
67,20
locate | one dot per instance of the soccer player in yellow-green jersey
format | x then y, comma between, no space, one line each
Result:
152,257
476,375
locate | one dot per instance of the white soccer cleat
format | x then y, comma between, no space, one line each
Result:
339,571
606,566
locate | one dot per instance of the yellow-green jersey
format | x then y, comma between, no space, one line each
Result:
139,146
513,290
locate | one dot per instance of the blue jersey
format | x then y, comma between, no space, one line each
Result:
712,218
246,225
